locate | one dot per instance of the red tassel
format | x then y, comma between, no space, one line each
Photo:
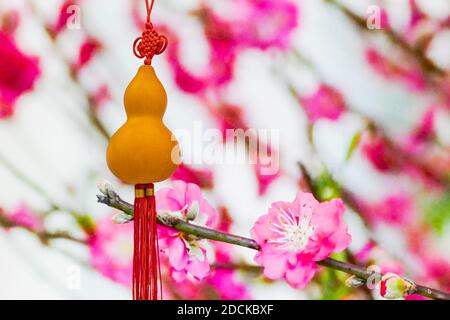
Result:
146,268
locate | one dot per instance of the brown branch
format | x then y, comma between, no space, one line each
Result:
44,236
434,75
113,200
402,157
426,64
92,107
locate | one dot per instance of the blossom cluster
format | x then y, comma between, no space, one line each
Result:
292,237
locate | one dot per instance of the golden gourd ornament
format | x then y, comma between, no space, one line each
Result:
143,151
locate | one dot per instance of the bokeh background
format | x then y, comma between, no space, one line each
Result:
361,113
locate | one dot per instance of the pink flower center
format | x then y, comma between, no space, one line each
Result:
293,231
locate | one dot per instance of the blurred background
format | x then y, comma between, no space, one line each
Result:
357,91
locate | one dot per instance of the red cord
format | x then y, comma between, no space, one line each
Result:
150,43
149,9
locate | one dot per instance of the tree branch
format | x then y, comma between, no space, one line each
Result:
91,105
434,75
44,236
112,199
426,64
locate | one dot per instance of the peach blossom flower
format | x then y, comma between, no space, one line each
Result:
393,286
25,217
261,24
63,16
187,253
293,236
18,74
201,177
410,75
325,103
111,250
226,285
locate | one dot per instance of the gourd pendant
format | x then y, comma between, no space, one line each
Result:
143,151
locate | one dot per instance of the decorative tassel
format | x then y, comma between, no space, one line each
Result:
146,268
142,152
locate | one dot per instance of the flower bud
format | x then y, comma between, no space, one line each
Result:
393,286
325,187
122,218
106,188
354,282
169,218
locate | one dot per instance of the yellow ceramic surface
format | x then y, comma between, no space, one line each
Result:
143,150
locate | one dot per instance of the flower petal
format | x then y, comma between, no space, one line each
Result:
198,268
274,262
327,216
304,201
178,256
178,276
300,276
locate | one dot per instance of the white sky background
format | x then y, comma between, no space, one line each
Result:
51,142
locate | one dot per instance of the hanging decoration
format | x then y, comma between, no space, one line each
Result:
143,151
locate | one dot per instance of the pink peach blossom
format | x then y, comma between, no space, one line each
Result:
201,177
220,284
101,96
64,14
24,216
380,154
325,103
265,169
187,254
261,24
426,126
422,28
435,267
371,253
384,19
87,51
396,209
364,254
223,281
231,117
220,67
416,14
410,75
111,250
186,80
226,285
388,157
393,286
18,74
424,132
293,236
265,24
228,117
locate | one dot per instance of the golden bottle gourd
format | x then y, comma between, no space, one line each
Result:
143,150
